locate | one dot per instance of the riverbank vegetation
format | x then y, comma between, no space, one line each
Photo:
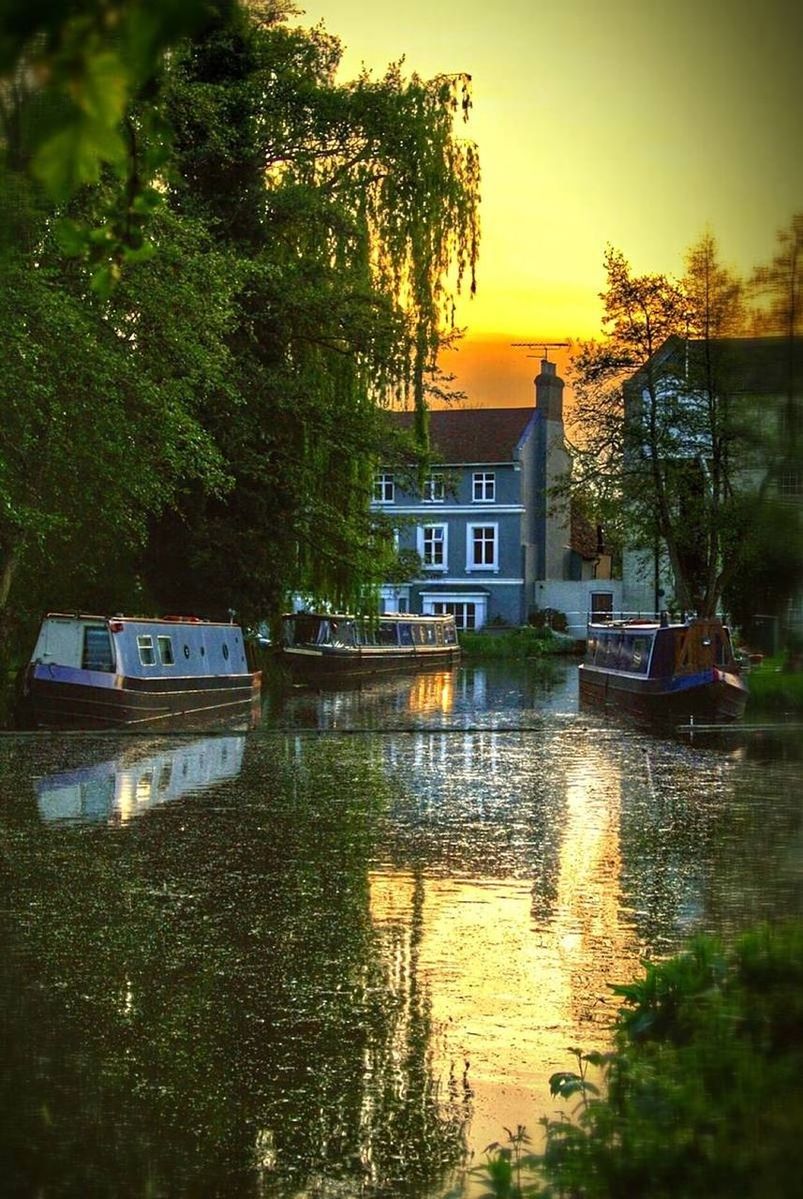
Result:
220,266
775,687
515,644
701,1096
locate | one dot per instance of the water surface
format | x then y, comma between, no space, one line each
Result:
336,955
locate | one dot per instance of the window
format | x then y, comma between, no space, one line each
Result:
97,653
484,486
147,655
482,547
465,614
433,546
165,650
384,488
434,490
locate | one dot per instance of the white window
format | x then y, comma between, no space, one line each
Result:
484,486
432,543
434,490
482,549
165,650
384,488
146,652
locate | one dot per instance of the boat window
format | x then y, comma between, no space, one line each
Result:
97,652
342,632
641,654
147,654
165,650
225,650
386,633
186,651
405,633
449,633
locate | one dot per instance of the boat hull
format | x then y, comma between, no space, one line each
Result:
64,697
709,697
330,665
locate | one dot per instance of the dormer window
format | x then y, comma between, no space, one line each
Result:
434,490
484,487
384,488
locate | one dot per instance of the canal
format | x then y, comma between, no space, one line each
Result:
335,956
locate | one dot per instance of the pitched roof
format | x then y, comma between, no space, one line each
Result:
460,435
753,366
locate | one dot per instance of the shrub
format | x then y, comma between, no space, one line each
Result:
702,1094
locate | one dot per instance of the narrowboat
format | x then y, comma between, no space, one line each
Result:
321,648
657,672
90,672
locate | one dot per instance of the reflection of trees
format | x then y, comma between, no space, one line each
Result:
709,842
196,1003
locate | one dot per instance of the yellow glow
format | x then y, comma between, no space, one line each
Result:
515,977
624,123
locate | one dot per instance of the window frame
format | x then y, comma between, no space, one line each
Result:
444,543
471,564
434,488
146,646
384,487
485,481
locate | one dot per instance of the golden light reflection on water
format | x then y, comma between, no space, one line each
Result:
514,976
432,692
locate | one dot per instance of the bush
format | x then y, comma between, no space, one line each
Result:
514,643
702,1095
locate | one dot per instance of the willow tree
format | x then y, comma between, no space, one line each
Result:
349,207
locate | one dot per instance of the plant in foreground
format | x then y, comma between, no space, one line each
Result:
702,1095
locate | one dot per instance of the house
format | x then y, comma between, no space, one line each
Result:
494,543
758,382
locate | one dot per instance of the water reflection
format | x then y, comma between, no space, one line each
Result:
372,954
135,780
486,694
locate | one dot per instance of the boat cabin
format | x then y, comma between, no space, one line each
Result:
144,648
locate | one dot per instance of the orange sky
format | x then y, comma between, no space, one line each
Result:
633,123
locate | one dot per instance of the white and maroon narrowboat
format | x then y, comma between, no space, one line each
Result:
656,672
128,671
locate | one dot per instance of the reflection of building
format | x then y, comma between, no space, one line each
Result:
494,540
130,784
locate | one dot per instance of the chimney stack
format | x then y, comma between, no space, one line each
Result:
549,391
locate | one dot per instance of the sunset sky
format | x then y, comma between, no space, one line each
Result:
635,123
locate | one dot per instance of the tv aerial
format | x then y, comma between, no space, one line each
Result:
544,346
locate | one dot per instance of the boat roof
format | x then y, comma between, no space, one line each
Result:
381,616
168,620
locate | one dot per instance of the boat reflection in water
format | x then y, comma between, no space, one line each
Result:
126,786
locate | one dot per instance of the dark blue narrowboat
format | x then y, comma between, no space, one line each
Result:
124,671
326,648
656,672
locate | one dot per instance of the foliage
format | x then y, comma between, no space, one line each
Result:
199,429
702,1094
346,207
775,686
69,71
515,643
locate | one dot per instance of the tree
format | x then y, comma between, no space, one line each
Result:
347,207
668,434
